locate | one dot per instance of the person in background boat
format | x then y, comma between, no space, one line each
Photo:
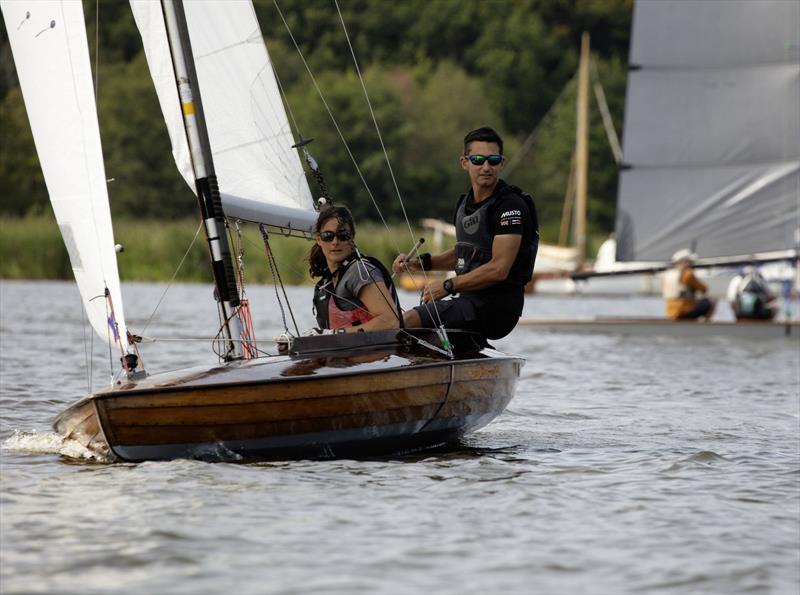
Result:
497,237
352,294
680,286
750,296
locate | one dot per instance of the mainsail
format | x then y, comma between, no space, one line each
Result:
51,53
260,175
712,130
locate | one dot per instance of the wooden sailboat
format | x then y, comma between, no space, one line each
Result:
328,396
711,153
334,396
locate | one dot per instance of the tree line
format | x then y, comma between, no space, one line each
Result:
434,69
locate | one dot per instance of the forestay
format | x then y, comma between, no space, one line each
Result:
51,53
260,175
712,130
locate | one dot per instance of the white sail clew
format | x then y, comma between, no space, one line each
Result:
48,40
260,175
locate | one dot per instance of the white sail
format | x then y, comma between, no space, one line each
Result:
259,173
48,40
712,129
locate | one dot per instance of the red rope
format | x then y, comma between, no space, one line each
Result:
249,349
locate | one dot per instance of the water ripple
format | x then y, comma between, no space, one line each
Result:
609,473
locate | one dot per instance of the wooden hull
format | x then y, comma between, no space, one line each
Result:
325,405
749,330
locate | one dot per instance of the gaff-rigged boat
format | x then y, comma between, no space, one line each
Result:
711,150
331,395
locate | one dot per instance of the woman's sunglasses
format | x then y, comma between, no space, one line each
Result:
494,160
342,235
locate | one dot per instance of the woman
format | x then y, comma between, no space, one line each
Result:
353,294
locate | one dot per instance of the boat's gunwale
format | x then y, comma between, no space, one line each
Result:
127,389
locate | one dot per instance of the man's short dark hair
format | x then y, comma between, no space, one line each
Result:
484,134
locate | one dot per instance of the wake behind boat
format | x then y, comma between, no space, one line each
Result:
330,395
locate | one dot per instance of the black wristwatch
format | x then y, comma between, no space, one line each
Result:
448,286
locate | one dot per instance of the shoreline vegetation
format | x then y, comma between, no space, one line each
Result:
32,248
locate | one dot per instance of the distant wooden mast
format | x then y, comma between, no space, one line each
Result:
582,151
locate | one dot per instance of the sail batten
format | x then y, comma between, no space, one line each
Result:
712,130
51,54
250,136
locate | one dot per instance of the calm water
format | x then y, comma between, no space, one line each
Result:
623,465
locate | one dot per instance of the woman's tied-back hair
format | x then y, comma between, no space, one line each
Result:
318,266
484,134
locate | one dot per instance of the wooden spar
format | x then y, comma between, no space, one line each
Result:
700,263
208,197
582,151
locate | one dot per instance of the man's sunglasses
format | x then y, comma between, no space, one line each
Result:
494,160
342,235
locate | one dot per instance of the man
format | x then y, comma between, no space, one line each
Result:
679,286
497,236
750,296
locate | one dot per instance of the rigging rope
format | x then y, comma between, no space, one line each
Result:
333,119
349,152
389,165
528,142
375,121
175,274
276,276
605,114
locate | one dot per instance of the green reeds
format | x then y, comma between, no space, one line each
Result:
32,248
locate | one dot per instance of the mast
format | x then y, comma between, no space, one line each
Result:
208,197
582,151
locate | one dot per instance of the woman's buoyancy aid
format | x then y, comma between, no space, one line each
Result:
672,286
331,310
474,237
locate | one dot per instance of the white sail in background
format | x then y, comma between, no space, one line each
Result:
51,53
712,129
259,173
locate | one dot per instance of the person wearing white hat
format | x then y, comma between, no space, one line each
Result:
679,287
